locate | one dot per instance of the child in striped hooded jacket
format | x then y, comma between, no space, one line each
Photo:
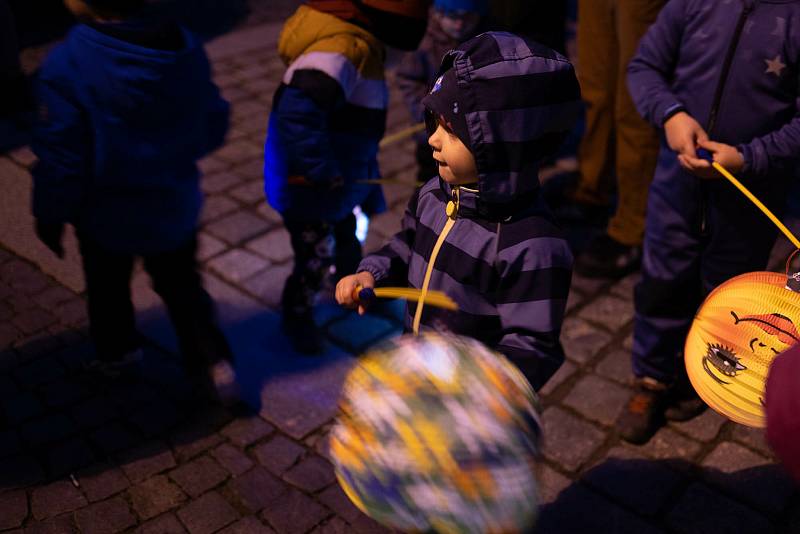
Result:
480,231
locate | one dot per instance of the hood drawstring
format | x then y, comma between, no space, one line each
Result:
452,212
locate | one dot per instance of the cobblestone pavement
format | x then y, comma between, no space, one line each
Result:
147,456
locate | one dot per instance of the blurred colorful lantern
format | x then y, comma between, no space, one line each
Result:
438,433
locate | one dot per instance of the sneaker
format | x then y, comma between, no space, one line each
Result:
113,369
304,334
605,257
644,413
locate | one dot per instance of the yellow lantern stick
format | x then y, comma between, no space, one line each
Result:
705,154
401,135
434,298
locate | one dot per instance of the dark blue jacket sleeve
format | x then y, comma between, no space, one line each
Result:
302,120
62,142
652,67
777,151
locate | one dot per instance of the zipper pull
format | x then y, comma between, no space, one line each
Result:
452,205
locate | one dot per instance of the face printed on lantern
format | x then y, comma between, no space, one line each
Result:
738,331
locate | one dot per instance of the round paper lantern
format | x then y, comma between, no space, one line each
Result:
737,332
437,432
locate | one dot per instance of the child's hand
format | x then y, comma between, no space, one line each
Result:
683,135
346,287
726,155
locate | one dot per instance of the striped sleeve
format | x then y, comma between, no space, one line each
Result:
531,300
389,265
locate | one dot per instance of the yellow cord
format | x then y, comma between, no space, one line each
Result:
439,299
423,294
724,172
401,135
452,212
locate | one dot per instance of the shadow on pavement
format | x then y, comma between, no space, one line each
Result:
73,438
60,420
752,500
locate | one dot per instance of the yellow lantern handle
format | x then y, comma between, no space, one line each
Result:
402,135
732,179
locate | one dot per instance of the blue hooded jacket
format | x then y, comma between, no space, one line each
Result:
121,127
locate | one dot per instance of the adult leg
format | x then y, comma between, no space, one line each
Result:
617,252
637,142
176,280
112,324
597,73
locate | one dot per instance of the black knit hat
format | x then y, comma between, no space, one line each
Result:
443,104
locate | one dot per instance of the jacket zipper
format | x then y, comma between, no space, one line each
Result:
451,209
726,66
723,77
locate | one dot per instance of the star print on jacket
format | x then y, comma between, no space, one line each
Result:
775,66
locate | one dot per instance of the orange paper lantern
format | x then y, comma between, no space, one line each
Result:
737,332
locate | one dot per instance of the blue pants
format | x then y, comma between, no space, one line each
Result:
684,259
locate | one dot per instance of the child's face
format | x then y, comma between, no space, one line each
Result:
456,162
458,24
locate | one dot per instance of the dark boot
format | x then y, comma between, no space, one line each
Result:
605,257
348,248
684,403
643,415
298,319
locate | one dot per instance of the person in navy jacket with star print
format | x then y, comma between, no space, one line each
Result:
722,76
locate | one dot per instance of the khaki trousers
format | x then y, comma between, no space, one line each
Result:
617,140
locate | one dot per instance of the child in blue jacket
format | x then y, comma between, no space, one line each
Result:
327,118
127,107
722,76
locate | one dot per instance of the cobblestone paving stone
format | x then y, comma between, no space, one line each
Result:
81,456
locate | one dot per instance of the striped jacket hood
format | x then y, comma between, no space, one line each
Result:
512,102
